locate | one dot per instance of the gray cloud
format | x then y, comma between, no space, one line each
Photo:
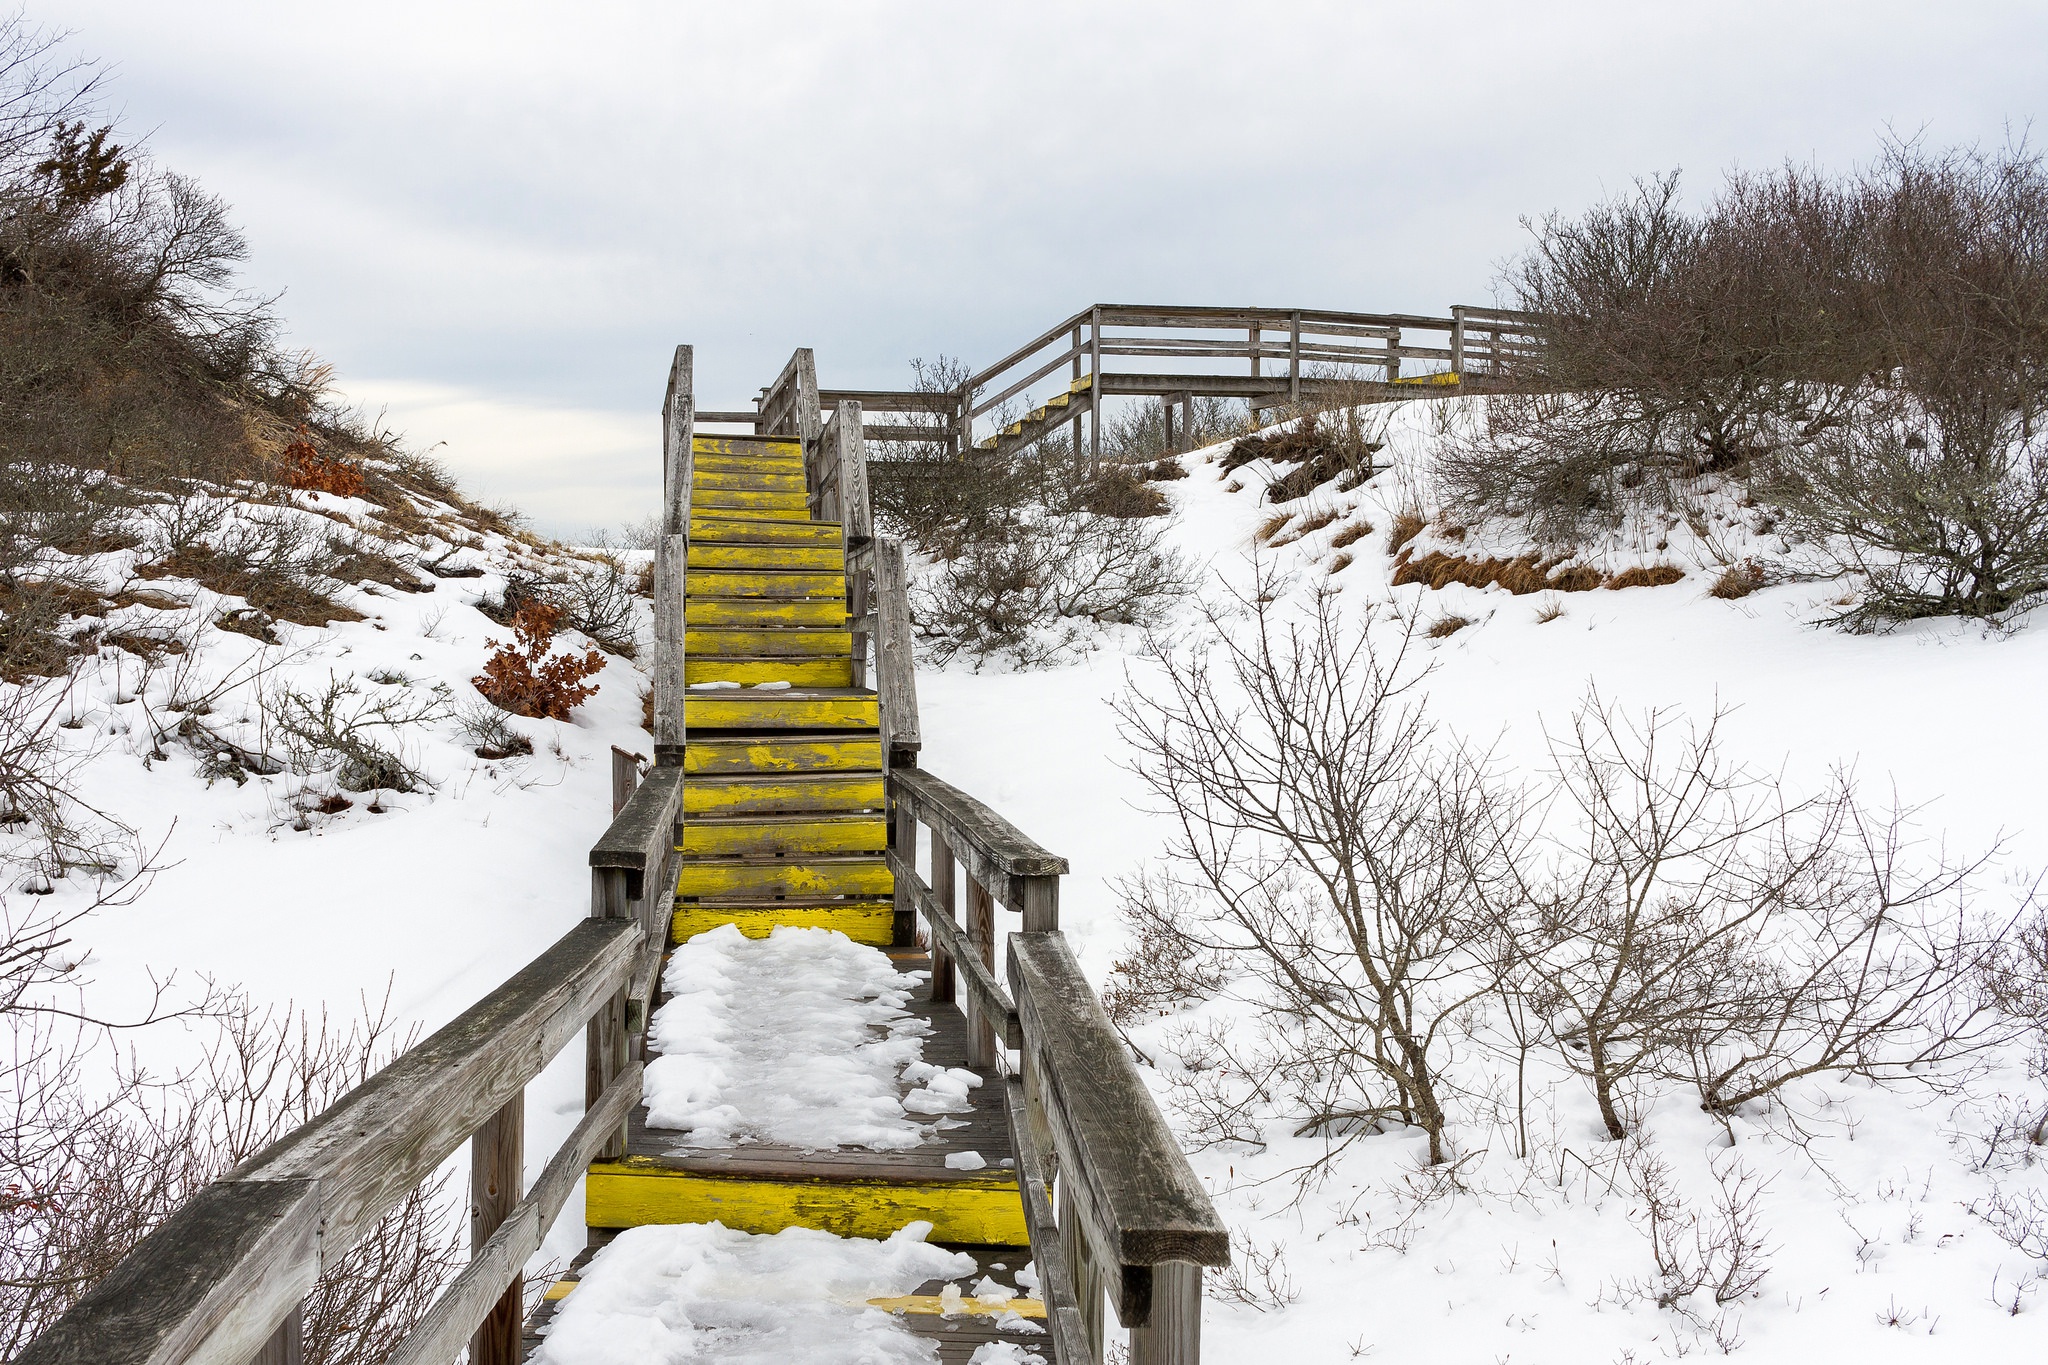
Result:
498,219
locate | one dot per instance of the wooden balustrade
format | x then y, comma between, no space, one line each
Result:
1134,1227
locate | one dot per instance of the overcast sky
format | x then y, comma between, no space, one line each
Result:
497,220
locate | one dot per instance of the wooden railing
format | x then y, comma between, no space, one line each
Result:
1134,1225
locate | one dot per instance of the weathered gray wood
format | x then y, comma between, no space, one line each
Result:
895,668
678,413
1172,1334
641,837
982,1020
1064,1323
641,988
903,848
443,1329
1110,1136
945,880
287,1345
625,777
1084,1270
213,1283
850,457
994,852
672,554
990,1006
705,415
383,1137
497,1176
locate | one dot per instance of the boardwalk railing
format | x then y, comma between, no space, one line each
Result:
1134,1225
1173,354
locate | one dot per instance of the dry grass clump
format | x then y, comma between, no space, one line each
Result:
1340,564
270,589
1738,580
1407,526
1307,526
1445,626
1524,574
1646,576
1320,452
1549,611
1164,471
1271,527
1121,490
1351,535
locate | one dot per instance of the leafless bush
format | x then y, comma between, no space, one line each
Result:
490,733
1025,595
1341,852
1164,969
1723,1254
1692,922
356,736
1256,1276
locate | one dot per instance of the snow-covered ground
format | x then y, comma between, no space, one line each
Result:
1874,1249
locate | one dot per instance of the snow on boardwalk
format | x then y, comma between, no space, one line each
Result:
701,1292
803,1039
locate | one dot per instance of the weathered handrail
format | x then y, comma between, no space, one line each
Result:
221,1279
1133,1220
632,867
672,556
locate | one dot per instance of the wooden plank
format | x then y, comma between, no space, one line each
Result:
379,1140
852,458
983,1013
945,879
670,635
497,1175
640,836
895,668
678,414
768,755
872,922
980,1208
1142,1199
975,975
796,791
441,1331
1172,1333
796,708
996,853
212,1283
1069,1332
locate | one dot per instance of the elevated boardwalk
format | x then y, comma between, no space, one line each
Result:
786,808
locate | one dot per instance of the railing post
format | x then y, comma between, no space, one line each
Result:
944,885
1082,1271
1294,356
1076,349
1458,339
1173,1333
604,1037
1094,390
903,839
1393,355
671,555
287,1345
981,936
625,777
497,1176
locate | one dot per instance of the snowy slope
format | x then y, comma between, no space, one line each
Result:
1874,1245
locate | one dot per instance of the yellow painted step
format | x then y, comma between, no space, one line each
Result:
748,795
759,530
747,464
825,558
785,835
759,613
769,754
820,876
746,445
795,709
872,922
763,583
728,500
788,642
703,668
759,480
984,1209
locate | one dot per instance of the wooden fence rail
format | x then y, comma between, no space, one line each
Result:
1133,1225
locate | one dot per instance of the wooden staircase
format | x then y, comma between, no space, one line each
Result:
784,822
1076,402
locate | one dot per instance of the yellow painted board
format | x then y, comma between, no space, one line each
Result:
735,710
746,445
709,498
828,558
751,795
796,672
763,583
785,835
637,1191
873,923
767,530
935,1305
562,1289
766,457
780,756
786,877
760,480
786,643
762,612
726,512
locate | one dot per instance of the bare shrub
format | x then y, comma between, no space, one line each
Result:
486,729
1689,921
1164,969
1723,1254
357,736
1024,596
1337,850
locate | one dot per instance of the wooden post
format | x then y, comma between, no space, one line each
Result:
944,885
1458,339
1173,1334
1040,903
1094,390
670,692
497,1178
1076,348
1253,346
1294,356
1393,355
625,777
981,934
287,1345
903,838
1082,1272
